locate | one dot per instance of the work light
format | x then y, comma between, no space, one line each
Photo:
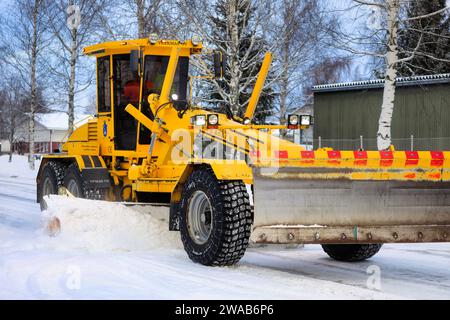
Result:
198,121
305,120
196,39
213,120
153,38
247,121
293,120
174,97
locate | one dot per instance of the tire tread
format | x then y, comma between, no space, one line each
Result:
236,223
352,252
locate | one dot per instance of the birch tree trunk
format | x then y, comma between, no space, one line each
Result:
234,48
33,104
284,86
11,141
384,126
140,14
73,62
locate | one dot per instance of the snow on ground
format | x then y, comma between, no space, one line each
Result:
106,251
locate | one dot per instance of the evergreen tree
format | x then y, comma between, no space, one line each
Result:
434,32
244,53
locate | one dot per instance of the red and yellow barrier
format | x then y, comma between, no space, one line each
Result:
362,165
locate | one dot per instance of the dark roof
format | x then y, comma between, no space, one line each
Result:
375,84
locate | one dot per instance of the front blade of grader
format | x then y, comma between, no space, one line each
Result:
352,197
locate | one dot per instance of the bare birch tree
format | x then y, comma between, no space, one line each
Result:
13,106
236,28
71,22
384,35
299,30
123,19
146,12
26,30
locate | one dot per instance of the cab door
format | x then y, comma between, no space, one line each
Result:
104,104
126,90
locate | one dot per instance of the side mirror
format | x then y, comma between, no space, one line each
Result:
220,65
135,56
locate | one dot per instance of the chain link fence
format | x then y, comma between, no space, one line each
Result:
404,144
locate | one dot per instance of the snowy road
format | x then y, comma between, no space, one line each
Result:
109,262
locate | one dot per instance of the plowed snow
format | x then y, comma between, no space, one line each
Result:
105,226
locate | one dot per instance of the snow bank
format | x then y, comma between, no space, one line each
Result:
106,226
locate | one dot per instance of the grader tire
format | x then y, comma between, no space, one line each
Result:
76,185
351,252
215,219
51,180
74,182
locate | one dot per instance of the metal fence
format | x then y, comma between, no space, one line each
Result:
406,144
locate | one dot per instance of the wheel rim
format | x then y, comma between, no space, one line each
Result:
199,217
72,187
47,188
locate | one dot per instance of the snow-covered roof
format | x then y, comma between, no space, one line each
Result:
370,84
59,120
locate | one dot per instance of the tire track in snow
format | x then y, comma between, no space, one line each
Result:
407,280
259,280
15,182
6,196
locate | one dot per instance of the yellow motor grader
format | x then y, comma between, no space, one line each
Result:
226,181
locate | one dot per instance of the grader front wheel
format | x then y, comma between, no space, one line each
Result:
215,219
351,252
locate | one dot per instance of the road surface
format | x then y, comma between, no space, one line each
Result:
128,257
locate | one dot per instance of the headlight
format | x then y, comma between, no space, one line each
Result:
305,121
247,121
153,38
174,97
198,121
213,120
293,120
196,40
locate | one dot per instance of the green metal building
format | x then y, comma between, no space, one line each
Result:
347,114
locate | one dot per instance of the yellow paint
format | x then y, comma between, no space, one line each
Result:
160,172
254,99
170,75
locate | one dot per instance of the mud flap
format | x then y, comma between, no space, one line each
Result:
96,178
174,217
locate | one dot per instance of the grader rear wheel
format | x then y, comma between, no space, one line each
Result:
76,185
74,181
51,180
215,219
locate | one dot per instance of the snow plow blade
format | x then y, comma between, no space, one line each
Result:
332,204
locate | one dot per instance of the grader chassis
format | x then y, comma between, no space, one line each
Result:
140,149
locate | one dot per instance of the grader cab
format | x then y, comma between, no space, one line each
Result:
225,181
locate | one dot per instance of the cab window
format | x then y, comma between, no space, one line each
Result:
154,72
104,85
